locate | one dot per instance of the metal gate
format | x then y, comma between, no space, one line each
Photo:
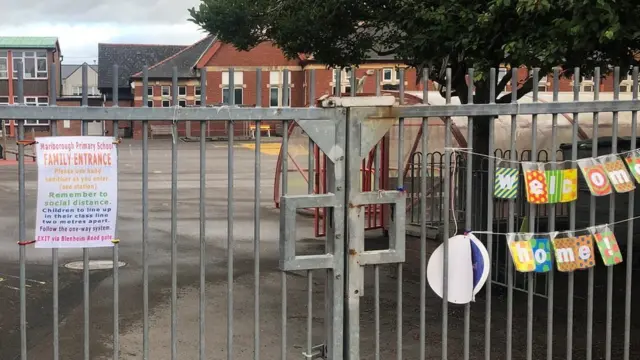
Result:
217,286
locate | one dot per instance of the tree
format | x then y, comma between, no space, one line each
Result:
436,34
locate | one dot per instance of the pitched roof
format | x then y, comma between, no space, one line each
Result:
185,60
28,42
69,69
130,59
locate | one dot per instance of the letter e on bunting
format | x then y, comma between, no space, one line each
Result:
506,183
595,176
617,173
535,182
607,245
633,161
586,256
521,251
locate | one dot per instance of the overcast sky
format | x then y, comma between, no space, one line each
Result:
81,24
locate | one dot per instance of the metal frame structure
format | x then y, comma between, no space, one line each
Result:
345,133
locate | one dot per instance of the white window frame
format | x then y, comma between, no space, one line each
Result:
168,101
182,103
4,59
76,91
182,87
163,88
36,55
150,93
34,101
627,84
238,78
197,102
235,99
276,81
197,90
150,103
4,103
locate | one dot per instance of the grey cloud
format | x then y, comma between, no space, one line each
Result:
129,12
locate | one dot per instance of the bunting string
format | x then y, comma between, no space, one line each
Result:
557,231
469,151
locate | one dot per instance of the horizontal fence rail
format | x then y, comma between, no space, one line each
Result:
207,268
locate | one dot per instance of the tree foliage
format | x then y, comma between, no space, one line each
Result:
437,34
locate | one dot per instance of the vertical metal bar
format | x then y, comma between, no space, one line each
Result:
592,220
378,79
612,217
353,83
532,219
85,251
116,248
552,217
572,214
174,223
203,217
310,164
309,311
628,283
283,274
312,88
22,232
285,88
232,92
256,225
145,220
490,172
376,268
337,80
400,185
510,222
423,220
468,201
54,252
446,209
230,213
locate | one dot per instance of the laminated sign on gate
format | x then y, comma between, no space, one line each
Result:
77,192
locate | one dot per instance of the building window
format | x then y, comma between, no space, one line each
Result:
149,103
197,90
166,91
237,94
4,100
276,81
182,91
197,102
34,101
4,64
77,90
182,103
166,103
150,90
34,64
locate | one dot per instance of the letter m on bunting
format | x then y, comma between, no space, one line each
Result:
506,183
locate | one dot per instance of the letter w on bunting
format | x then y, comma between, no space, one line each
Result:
506,183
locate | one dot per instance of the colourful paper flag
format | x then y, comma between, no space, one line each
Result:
554,184
541,247
617,173
535,183
586,256
521,253
607,245
569,185
633,161
595,176
506,183
565,250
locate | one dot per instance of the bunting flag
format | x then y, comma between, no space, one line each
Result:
562,184
541,246
565,251
586,256
617,173
595,176
535,182
506,183
607,244
633,161
521,252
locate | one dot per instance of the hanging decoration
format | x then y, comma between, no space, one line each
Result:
633,161
617,173
506,183
607,245
535,182
595,177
